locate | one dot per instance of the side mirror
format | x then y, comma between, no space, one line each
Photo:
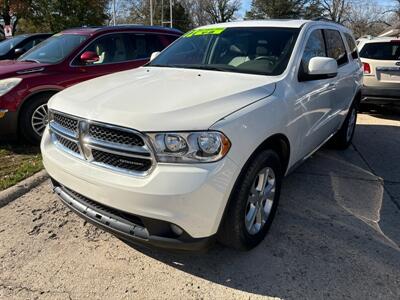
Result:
89,57
322,66
19,52
319,68
154,55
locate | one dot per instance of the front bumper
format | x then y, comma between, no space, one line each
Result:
192,197
8,124
124,226
380,95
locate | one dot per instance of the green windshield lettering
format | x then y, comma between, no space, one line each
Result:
205,31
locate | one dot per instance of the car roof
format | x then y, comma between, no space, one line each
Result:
279,23
261,23
100,29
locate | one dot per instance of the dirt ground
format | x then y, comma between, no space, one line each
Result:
336,235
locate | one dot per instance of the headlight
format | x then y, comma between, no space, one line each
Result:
8,84
190,147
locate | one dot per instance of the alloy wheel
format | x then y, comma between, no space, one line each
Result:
40,118
260,201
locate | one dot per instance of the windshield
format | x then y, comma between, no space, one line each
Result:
382,51
252,50
7,45
54,49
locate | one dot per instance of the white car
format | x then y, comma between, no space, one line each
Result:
194,146
380,57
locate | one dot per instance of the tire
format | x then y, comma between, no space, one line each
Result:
236,230
342,139
31,127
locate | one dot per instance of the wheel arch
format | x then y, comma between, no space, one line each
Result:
276,142
280,144
27,99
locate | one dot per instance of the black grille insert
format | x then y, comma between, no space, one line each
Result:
112,135
68,144
66,122
122,162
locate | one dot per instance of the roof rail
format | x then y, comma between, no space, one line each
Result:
324,19
368,36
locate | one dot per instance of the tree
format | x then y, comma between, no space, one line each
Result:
181,19
221,11
11,12
284,9
57,15
197,12
336,10
140,13
122,9
367,18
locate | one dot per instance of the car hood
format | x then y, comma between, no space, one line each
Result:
10,68
168,99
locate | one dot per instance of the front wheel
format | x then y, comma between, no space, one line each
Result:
253,203
34,119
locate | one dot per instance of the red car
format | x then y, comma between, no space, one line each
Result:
67,58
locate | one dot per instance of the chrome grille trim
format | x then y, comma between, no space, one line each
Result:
114,152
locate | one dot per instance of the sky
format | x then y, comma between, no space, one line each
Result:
246,5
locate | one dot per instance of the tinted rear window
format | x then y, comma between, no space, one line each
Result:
383,51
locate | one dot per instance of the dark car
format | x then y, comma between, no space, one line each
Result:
18,45
65,59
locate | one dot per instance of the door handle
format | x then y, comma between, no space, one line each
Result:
331,85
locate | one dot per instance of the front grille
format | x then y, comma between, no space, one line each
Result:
66,122
108,146
117,136
67,143
121,162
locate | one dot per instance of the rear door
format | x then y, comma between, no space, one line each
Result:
346,83
382,61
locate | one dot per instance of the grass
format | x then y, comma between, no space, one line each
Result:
17,162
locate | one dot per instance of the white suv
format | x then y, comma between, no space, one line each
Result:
380,57
194,145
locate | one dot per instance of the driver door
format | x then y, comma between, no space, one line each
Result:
314,98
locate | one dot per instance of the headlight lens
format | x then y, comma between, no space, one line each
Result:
190,147
8,84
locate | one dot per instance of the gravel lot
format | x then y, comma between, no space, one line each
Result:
336,235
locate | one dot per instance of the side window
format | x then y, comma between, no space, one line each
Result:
335,46
352,45
143,45
111,48
37,41
26,45
168,39
315,47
